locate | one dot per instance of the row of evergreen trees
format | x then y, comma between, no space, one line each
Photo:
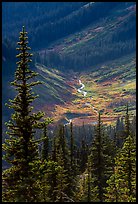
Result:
103,170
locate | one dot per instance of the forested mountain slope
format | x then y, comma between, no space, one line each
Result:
72,137
79,39
52,21
110,37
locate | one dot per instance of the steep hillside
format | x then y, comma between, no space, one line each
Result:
54,89
50,21
77,35
40,18
72,41
106,39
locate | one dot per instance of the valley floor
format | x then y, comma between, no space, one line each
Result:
92,95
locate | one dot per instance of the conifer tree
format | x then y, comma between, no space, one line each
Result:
89,181
62,145
111,193
73,154
49,181
53,155
45,149
83,155
20,180
133,127
83,192
61,188
52,176
97,162
43,181
127,122
101,163
73,168
122,184
60,156
126,170
119,132
71,147
78,158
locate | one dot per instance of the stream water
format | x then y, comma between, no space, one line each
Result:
84,94
80,89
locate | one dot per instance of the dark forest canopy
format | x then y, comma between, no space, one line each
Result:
53,20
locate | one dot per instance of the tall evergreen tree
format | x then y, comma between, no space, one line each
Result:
97,162
89,180
119,132
71,146
101,163
62,145
60,155
73,167
20,180
83,155
53,177
61,188
122,184
88,186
